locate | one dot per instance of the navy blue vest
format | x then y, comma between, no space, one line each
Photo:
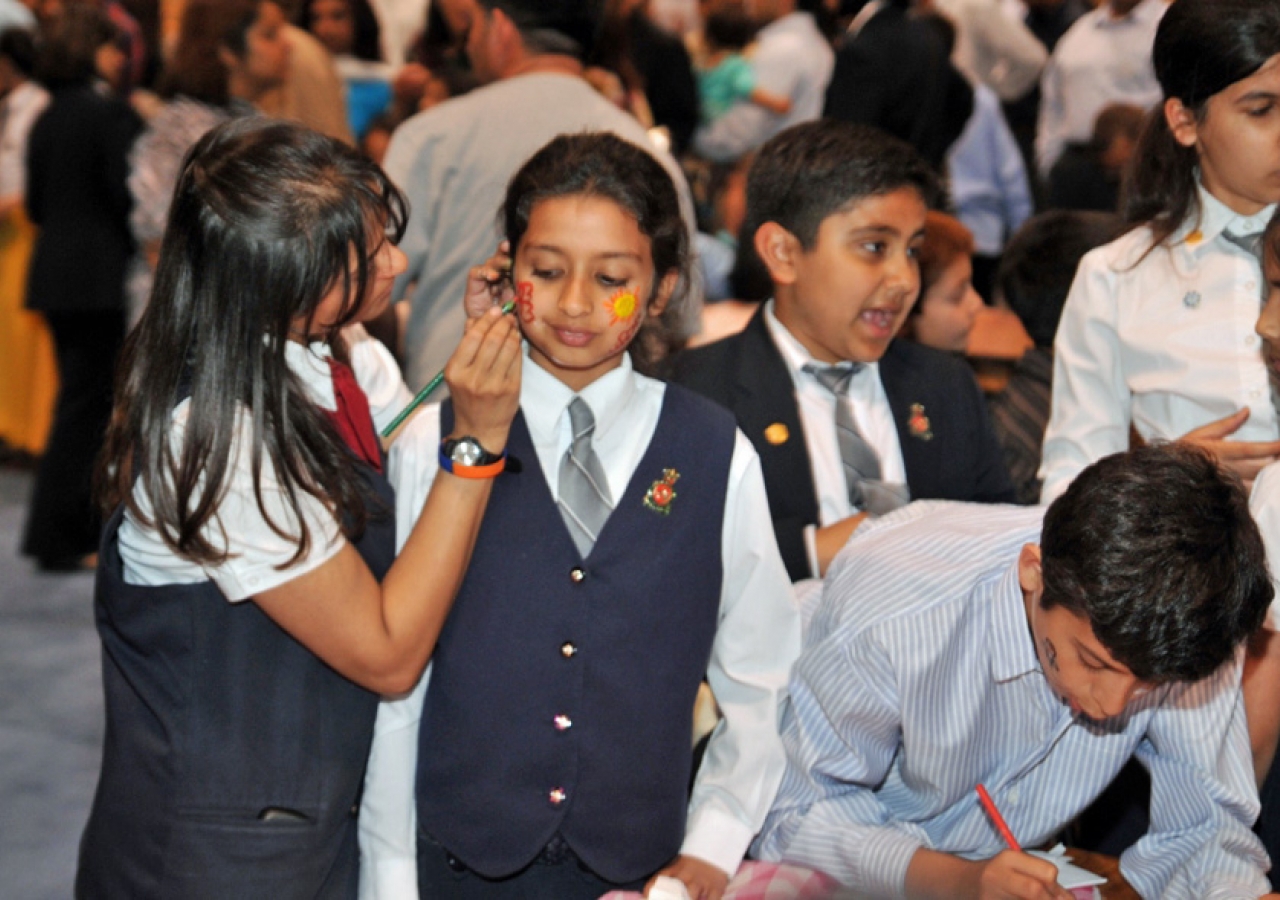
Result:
562,690
234,758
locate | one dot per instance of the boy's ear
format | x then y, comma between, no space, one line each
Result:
662,296
779,250
1030,578
1181,121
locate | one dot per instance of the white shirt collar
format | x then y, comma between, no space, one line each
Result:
310,362
545,398
1215,218
794,353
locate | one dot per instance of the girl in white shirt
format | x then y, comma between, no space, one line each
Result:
244,466
1157,333
548,753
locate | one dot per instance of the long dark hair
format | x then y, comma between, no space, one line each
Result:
1201,48
367,39
267,218
600,164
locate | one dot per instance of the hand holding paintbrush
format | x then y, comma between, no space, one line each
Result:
488,285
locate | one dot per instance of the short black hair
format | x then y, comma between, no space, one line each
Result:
809,171
729,28
568,27
66,55
1040,261
1156,548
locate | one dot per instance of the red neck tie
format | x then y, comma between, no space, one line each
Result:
352,418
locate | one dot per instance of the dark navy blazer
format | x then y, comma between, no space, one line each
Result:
948,445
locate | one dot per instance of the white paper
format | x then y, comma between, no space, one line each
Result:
1069,874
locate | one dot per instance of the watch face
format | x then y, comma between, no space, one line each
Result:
467,452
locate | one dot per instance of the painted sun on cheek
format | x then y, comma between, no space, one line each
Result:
524,301
621,306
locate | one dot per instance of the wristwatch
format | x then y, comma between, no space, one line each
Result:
465,458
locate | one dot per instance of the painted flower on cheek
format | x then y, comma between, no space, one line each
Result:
621,305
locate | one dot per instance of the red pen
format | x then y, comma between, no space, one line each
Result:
989,805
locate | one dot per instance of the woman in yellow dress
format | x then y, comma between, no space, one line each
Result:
27,370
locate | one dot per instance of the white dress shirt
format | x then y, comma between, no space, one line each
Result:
1100,60
1160,340
993,47
919,680
757,639
256,550
817,407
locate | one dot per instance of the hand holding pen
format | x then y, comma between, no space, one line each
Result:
1012,873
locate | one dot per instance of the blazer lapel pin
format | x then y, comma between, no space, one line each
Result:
660,494
918,423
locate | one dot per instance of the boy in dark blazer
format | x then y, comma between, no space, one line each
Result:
837,212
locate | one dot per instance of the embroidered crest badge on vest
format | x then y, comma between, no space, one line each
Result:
918,423
662,492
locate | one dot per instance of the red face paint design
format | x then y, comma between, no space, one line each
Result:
524,301
626,337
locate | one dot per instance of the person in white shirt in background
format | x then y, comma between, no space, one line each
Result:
791,59
993,47
1105,57
1157,334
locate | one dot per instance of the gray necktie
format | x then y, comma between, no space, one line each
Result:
867,490
1249,243
584,493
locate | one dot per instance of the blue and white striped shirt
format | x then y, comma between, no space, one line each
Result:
919,680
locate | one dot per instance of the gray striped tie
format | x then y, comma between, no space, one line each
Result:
584,493
867,489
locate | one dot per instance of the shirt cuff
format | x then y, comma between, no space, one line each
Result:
811,549
716,837
887,853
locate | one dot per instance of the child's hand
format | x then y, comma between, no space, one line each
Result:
701,879
489,284
1019,876
484,378
1245,458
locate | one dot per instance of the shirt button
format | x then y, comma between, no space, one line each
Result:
1014,796
568,649
577,574
1251,285
563,722
557,796
1251,341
